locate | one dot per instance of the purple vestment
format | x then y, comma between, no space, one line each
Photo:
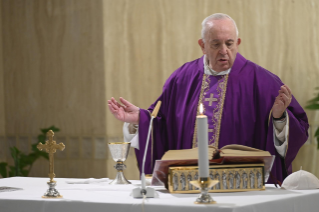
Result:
250,94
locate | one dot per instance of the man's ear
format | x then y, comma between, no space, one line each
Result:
202,45
238,41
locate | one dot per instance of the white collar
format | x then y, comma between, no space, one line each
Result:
209,71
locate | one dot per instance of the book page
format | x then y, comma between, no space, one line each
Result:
180,154
240,147
185,154
232,152
240,150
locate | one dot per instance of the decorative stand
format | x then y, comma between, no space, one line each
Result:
52,192
119,152
50,147
204,184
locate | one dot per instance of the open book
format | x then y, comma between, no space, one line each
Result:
230,154
213,153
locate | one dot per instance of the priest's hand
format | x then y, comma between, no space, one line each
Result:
282,101
127,112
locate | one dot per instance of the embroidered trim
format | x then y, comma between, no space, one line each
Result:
216,110
287,133
223,87
207,83
152,157
269,116
204,87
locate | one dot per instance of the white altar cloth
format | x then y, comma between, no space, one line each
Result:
105,197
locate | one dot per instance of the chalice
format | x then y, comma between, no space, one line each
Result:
119,152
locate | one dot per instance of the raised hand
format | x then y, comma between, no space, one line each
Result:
127,112
282,101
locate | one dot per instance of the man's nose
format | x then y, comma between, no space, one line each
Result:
223,50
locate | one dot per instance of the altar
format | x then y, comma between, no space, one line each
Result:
104,197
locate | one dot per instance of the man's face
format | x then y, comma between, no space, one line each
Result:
221,44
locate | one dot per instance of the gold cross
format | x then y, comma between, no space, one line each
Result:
211,99
210,130
50,147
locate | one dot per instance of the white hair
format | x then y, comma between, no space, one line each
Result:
216,16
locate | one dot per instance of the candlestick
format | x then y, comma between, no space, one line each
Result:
204,183
202,141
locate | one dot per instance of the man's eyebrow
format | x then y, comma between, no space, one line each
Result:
217,40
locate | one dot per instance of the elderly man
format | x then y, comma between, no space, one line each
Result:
245,104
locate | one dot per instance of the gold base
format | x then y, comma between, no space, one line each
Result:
202,203
46,197
204,184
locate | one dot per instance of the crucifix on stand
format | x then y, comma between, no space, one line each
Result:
50,147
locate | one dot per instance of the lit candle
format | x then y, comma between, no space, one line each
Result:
202,141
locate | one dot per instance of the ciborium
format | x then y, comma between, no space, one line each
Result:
119,152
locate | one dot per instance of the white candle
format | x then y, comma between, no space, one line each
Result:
202,139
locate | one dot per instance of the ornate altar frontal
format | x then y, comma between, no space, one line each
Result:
231,177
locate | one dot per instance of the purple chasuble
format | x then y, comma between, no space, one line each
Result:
247,96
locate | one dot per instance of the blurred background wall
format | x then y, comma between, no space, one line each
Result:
60,60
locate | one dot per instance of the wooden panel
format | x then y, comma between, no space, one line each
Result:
54,66
54,75
2,110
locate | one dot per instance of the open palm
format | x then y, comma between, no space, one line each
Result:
127,112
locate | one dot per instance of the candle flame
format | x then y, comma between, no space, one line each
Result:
201,109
